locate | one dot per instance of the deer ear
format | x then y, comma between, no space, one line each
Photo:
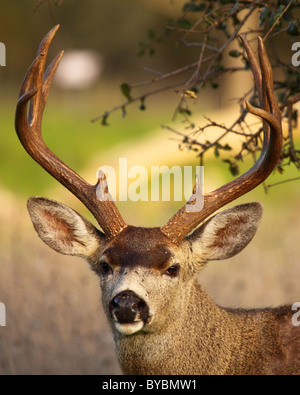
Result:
63,229
227,233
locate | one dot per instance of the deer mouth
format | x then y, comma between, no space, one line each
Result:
129,329
129,312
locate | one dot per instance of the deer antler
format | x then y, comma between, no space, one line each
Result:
185,220
35,89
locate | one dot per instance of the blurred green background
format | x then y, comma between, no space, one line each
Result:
54,319
112,29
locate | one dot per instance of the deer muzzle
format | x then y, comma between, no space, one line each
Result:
129,312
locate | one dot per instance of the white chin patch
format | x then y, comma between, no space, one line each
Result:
129,329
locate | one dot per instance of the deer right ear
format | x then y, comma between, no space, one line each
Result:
227,233
63,229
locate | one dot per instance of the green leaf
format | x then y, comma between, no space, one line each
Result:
234,53
247,63
192,7
184,111
151,34
263,16
184,23
126,90
235,19
217,153
141,53
214,85
142,105
292,29
176,49
233,167
295,116
222,26
235,7
104,119
226,147
275,14
151,52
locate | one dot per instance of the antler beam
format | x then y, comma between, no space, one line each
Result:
35,89
185,220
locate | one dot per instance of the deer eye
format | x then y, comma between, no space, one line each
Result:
173,271
105,267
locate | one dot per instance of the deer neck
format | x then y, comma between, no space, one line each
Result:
204,332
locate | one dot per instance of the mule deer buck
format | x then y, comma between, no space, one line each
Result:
163,322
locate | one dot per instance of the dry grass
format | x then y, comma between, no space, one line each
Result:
54,321
55,324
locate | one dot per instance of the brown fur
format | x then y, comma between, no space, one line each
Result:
131,246
185,332
234,342
162,320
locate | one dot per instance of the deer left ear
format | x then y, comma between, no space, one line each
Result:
227,233
63,229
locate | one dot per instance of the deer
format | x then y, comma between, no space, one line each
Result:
162,320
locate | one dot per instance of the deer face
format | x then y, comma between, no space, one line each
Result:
141,274
144,276
144,272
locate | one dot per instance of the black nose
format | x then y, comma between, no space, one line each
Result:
127,308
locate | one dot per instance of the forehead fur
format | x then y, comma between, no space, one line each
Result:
140,246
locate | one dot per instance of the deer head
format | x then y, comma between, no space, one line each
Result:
145,273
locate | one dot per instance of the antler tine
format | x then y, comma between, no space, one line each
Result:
185,220
35,89
254,67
